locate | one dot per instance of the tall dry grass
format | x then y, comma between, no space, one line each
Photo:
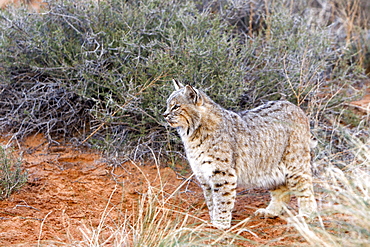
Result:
12,175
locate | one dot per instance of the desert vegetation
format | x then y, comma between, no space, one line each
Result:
96,74
12,176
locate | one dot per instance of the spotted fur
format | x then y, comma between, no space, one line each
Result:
268,147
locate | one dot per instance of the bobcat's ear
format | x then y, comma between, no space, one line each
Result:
193,95
177,84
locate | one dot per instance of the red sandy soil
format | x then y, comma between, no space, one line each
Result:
68,190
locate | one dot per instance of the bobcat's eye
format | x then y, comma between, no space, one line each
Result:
175,107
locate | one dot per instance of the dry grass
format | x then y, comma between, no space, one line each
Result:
12,176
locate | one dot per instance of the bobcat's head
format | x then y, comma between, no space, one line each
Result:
184,108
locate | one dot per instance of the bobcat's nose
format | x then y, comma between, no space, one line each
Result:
165,114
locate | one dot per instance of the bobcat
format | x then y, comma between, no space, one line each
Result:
268,146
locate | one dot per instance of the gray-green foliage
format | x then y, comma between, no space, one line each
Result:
12,175
107,52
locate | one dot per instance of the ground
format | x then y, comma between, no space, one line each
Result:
69,189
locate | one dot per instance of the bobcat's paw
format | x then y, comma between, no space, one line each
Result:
221,224
265,213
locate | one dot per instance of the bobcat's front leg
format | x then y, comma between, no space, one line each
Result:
223,186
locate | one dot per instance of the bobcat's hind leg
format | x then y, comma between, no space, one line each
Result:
299,175
279,198
299,182
303,190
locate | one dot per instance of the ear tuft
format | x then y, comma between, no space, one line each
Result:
178,85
